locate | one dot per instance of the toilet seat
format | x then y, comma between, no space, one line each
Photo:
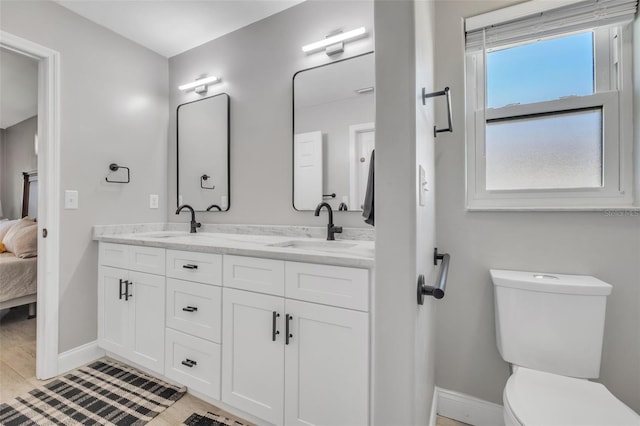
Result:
538,398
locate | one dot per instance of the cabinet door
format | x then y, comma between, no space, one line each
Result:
146,320
112,310
252,362
326,366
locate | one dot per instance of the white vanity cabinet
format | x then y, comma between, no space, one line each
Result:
287,342
292,362
131,304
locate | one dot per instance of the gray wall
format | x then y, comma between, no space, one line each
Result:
18,156
113,105
591,243
403,336
257,64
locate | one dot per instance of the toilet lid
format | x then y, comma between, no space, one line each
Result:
539,398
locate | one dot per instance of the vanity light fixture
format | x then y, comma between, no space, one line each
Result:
201,85
334,43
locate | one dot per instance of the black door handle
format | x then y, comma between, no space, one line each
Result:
190,309
274,332
120,289
189,363
190,266
127,283
288,335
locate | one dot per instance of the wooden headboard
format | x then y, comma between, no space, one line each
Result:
30,193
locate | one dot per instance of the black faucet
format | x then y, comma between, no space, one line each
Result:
331,228
214,206
194,224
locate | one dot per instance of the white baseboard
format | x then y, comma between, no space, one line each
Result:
79,356
468,409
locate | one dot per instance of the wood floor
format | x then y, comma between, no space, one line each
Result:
18,372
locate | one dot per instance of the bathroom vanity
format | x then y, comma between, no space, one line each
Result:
273,326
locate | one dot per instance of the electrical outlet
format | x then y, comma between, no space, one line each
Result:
70,200
153,201
224,202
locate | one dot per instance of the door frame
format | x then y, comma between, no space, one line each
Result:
49,195
354,131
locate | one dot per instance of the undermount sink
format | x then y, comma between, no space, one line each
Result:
315,245
168,234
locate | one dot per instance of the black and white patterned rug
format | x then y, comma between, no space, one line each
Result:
210,419
104,392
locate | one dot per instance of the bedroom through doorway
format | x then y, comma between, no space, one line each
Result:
18,221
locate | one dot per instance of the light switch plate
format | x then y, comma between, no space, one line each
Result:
153,201
70,200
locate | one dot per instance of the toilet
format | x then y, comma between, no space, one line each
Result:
550,327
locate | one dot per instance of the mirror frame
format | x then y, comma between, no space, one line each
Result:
228,151
293,128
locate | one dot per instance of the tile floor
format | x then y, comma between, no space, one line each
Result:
18,372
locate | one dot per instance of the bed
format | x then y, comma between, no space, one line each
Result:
18,281
19,277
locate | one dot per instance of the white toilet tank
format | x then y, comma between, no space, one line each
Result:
550,322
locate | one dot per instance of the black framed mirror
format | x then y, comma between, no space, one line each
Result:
333,133
203,156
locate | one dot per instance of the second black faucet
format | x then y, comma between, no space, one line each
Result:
331,228
194,224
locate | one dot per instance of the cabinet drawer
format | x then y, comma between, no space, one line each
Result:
115,255
194,308
329,285
147,259
192,266
255,274
193,362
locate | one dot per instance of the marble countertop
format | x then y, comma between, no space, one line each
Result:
353,253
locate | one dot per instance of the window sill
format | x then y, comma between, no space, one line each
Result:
610,211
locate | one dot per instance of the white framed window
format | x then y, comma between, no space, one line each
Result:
549,106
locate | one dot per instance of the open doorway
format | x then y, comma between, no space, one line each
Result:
18,215
29,199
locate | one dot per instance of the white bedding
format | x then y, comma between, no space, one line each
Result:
18,277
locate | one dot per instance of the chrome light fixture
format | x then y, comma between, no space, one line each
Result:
334,43
200,86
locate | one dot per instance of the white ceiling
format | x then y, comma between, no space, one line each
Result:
18,88
170,27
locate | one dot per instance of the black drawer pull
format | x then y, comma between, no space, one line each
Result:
190,266
274,332
190,309
189,363
121,293
287,334
126,289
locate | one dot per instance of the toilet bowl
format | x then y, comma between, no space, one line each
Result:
538,398
550,328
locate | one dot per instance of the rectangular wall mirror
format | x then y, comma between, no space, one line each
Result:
203,153
333,133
